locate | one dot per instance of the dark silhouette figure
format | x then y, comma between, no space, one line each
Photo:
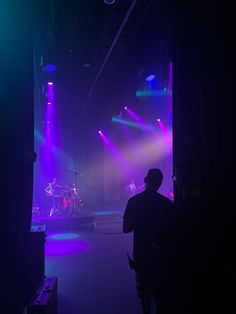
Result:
142,216
189,243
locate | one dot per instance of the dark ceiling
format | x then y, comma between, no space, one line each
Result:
103,52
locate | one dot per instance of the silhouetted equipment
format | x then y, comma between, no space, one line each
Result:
35,266
45,298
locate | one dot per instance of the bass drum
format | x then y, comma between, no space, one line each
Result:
66,202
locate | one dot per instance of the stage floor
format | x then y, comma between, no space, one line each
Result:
91,264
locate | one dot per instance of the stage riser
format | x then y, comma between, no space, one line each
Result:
65,224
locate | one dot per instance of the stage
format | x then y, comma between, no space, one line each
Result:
108,219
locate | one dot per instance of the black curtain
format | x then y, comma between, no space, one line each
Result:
203,85
203,92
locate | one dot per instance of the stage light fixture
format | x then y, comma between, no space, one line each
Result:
50,68
109,1
150,77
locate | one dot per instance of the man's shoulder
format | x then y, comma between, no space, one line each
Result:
137,196
164,199
144,195
133,204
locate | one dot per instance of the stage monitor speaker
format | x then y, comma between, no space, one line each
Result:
45,298
35,265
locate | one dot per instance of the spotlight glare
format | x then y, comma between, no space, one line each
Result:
125,107
50,83
100,132
49,103
158,120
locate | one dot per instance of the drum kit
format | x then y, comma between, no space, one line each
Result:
66,200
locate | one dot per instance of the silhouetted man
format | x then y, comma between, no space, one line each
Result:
142,216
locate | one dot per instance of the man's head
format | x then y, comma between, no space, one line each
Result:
153,179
